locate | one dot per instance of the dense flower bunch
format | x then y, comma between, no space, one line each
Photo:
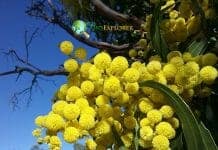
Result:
180,23
102,100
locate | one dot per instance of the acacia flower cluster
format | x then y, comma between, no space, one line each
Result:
102,101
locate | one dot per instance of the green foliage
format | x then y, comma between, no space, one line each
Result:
196,136
158,42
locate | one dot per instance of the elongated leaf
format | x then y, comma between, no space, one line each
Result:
177,143
190,126
208,139
198,47
157,39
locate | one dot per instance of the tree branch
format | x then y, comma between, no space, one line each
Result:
19,70
114,15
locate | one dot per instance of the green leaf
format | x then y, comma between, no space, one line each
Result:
177,143
157,39
198,47
208,139
190,126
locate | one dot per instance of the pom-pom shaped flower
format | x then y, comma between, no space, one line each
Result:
94,73
71,134
86,121
146,133
174,122
58,107
191,68
63,89
102,128
154,67
165,129
145,122
160,142
37,132
131,75
40,120
167,111
87,87
177,61
102,100
54,122
127,139
80,53
208,74
82,103
70,65
112,87
169,71
71,111
66,47
145,105
90,144
132,88
102,60
74,93
209,59
118,66
84,69
130,122
154,116
55,141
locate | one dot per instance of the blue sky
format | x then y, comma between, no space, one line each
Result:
16,126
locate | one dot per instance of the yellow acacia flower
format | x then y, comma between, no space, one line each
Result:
169,71
174,122
154,116
102,60
58,107
66,47
46,139
64,88
208,74
173,14
172,54
132,53
177,61
37,132
87,87
84,69
127,139
82,103
154,67
112,87
145,144
102,128
130,122
145,105
40,120
74,93
187,56
146,133
91,144
123,98
88,110
157,97
71,111
86,121
55,141
94,73
80,53
71,134
160,142
54,122
165,129
145,122
132,88
209,59
105,111
118,65
167,111
191,68
131,75
70,65
102,100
